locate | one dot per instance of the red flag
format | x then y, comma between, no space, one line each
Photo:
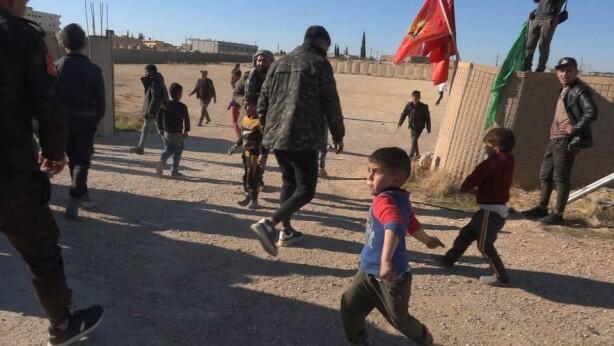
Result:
431,34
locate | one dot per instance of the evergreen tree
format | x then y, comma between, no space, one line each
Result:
363,46
347,52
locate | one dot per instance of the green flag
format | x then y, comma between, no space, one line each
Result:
513,62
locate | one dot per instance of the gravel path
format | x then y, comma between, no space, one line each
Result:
174,263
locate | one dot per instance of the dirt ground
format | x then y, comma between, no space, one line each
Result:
173,261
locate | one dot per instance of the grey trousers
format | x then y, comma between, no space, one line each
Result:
542,31
149,125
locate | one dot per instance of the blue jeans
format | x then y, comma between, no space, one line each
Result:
173,145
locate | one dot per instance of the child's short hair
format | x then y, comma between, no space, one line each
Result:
175,90
73,37
415,93
236,73
392,158
501,137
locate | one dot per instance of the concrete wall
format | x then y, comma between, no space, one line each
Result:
527,106
100,51
133,56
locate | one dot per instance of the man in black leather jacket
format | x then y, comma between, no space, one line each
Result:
570,132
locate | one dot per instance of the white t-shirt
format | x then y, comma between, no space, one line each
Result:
441,87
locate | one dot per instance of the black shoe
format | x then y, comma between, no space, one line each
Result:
81,323
440,261
267,235
137,151
535,213
552,219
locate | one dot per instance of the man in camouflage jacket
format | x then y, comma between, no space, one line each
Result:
297,101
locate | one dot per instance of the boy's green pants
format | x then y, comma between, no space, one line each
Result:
366,293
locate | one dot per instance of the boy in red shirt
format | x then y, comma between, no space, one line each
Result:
491,182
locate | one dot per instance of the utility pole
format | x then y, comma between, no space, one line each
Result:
497,60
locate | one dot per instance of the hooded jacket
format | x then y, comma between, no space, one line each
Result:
156,94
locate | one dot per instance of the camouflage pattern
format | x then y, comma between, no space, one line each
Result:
29,90
298,99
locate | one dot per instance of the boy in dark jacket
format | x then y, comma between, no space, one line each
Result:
83,97
493,180
173,124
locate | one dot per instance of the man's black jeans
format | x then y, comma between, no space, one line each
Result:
414,151
556,172
79,149
299,171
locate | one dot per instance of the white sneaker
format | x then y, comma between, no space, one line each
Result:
289,239
266,234
491,280
86,203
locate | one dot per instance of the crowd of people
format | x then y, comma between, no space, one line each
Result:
285,107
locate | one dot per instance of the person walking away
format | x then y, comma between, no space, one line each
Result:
543,23
173,125
418,117
441,89
205,92
298,94
31,91
156,95
570,132
384,278
83,94
491,181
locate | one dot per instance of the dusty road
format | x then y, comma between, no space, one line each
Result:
173,261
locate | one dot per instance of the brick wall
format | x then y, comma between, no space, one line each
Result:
527,106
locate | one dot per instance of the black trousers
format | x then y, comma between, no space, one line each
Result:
556,172
299,170
415,135
79,149
27,221
483,227
542,31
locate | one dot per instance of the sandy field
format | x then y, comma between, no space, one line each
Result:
174,263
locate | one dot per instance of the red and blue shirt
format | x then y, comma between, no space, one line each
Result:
390,209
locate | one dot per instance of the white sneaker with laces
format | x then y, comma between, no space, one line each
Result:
491,280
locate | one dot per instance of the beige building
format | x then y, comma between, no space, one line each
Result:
48,21
160,46
221,47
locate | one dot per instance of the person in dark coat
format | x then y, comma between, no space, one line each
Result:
29,91
83,94
156,94
418,117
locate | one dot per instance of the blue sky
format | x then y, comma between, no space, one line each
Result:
485,27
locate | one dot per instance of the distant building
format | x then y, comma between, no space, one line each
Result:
220,47
48,21
160,46
127,42
409,59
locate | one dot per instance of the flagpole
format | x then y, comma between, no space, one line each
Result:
453,35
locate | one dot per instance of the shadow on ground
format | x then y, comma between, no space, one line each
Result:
160,290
